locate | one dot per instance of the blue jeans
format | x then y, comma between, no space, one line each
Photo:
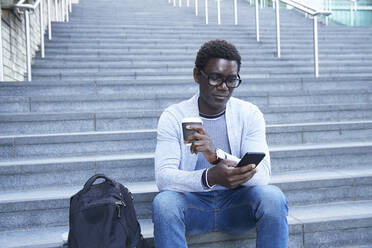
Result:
238,210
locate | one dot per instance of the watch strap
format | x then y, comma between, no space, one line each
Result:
218,158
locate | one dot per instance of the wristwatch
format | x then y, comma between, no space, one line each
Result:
220,155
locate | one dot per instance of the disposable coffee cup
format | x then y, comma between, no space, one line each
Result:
190,121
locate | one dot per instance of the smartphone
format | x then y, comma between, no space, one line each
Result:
251,158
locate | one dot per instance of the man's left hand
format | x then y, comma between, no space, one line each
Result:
202,144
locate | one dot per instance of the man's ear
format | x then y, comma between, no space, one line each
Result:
196,75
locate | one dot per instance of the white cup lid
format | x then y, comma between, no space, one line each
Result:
192,119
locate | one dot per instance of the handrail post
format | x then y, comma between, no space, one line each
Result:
316,59
277,28
70,5
257,23
67,12
351,14
328,8
218,12
1,51
63,12
188,3
49,22
56,10
174,3
196,8
60,10
206,11
41,14
261,4
179,3
355,9
235,12
28,45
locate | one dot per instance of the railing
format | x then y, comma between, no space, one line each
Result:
196,4
310,11
1,50
25,8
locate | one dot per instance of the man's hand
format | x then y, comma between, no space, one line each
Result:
231,178
202,144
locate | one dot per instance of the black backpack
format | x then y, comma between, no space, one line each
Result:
103,216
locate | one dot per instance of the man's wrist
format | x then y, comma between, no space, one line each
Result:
205,179
219,155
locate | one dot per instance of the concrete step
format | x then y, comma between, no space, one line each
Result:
291,21
182,19
198,26
243,36
169,66
77,144
264,48
63,122
128,24
28,173
263,73
48,207
66,58
238,33
283,69
166,65
307,226
143,100
130,87
115,142
304,228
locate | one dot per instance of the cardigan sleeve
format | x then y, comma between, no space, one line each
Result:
168,155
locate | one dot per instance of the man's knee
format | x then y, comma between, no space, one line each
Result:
271,202
167,205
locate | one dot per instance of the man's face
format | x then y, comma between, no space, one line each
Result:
213,99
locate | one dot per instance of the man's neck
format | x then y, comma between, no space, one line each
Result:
206,110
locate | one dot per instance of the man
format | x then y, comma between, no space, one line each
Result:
200,190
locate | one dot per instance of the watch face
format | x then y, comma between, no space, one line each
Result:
220,154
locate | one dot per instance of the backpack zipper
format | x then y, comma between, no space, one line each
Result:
122,199
118,205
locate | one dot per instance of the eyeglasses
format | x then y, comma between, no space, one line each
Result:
215,80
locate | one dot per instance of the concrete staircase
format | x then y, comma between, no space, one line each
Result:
94,103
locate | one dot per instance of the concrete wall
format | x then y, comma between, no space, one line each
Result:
14,39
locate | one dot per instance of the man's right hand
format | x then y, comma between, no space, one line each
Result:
226,174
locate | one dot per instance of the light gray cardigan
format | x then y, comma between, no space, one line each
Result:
174,163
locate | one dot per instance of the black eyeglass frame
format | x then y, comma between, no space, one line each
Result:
204,74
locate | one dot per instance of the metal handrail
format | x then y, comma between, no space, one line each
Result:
25,8
1,50
206,9
196,8
257,18
353,6
307,9
310,11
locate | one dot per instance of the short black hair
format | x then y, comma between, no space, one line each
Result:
216,49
